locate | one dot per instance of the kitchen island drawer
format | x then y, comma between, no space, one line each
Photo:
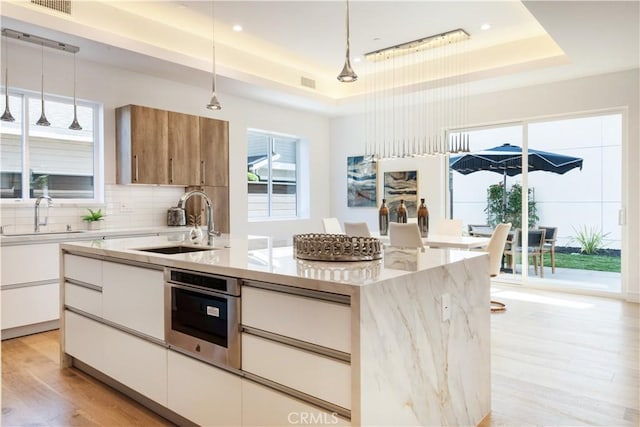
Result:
83,298
317,375
318,321
83,269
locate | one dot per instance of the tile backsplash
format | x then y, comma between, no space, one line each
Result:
126,206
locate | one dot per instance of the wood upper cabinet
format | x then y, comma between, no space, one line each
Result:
184,149
214,152
142,145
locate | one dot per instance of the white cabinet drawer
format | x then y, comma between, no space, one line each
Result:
82,298
136,363
262,406
18,264
84,269
134,297
30,305
202,393
325,378
317,321
84,339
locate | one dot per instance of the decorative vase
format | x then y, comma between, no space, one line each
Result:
383,218
401,213
423,219
95,225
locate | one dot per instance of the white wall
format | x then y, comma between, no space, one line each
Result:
608,91
115,87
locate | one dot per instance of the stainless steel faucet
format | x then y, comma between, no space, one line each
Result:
186,196
36,217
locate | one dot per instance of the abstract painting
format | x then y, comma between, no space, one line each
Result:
361,182
401,186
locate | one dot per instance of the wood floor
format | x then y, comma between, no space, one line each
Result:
557,360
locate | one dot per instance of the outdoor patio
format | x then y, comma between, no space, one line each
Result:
597,281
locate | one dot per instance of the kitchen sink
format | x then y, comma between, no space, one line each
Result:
177,249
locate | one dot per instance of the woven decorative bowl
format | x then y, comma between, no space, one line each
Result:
336,247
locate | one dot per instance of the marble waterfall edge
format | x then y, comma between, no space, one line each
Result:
416,369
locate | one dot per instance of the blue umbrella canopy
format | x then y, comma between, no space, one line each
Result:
507,160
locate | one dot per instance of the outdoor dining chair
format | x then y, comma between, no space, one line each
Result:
479,229
534,249
550,235
360,229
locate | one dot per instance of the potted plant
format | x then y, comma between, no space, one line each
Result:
93,218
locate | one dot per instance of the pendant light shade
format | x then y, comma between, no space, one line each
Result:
42,121
347,75
6,116
213,104
74,124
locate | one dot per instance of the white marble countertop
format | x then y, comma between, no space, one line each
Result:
256,258
61,236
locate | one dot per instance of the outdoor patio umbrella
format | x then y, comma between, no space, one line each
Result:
507,160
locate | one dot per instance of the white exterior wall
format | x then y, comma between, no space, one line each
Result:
609,91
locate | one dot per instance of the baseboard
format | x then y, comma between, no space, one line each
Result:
36,328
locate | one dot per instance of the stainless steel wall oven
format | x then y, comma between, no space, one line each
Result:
202,316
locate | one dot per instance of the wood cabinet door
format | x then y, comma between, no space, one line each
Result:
214,152
149,145
184,149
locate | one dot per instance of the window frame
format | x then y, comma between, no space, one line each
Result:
272,136
98,148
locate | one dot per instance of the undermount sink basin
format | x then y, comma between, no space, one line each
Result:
44,233
177,249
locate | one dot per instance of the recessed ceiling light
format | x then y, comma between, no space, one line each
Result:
486,26
237,28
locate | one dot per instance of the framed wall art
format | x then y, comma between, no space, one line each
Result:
361,182
401,186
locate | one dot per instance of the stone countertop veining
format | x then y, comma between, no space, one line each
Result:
62,236
257,258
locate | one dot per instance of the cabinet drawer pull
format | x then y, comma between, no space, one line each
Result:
202,171
135,161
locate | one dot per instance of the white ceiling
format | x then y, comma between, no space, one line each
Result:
283,41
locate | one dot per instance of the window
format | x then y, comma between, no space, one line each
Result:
272,173
48,160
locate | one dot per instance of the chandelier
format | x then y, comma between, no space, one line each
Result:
418,97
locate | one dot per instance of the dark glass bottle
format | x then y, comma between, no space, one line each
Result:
423,219
401,213
383,218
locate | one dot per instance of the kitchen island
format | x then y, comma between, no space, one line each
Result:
404,340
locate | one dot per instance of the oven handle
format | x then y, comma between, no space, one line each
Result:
201,290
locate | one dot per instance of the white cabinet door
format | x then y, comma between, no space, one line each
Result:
202,393
320,376
83,269
30,263
317,321
136,363
84,339
85,299
30,305
262,406
134,297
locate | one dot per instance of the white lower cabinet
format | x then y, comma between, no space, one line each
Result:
202,393
30,305
134,297
263,406
84,339
136,363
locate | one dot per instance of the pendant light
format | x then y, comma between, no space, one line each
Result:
6,116
74,124
42,121
213,104
347,75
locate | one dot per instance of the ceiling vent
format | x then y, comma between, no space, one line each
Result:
307,82
63,6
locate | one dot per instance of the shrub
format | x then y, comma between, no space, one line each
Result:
590,239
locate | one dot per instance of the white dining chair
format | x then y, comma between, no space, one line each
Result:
447,227
360,229
405,235
496,250
331,226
